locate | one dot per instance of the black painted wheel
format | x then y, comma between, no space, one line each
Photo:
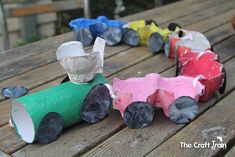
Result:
173,26
84,36
113,36
177,67
222,89
66,79
13,92
180,33
212,48
150,21
50,128
138,115
183,110
131,37
96,104
155,43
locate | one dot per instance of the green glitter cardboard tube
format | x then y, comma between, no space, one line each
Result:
64,100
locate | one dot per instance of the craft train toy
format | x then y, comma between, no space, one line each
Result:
43,115
86,95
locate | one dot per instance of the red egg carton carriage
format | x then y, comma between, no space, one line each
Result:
205,65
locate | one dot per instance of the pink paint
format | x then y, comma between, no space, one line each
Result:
154,89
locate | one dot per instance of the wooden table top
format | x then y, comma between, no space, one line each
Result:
35,67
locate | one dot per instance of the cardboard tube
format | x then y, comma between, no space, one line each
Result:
65,100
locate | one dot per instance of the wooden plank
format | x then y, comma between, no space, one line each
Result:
16,69
196,5
208,12
29,149
231,152
52,43
86,137
2,154
139,142
9,135
44,8
218,19
193,132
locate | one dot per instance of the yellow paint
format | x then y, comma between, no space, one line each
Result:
145,31
137,24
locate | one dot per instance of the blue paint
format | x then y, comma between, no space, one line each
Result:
14,92
97,28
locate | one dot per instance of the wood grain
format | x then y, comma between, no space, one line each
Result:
2,154
231,152
220,115
8,135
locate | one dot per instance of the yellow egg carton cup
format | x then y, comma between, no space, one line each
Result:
147,32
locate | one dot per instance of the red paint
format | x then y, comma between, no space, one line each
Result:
207,64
